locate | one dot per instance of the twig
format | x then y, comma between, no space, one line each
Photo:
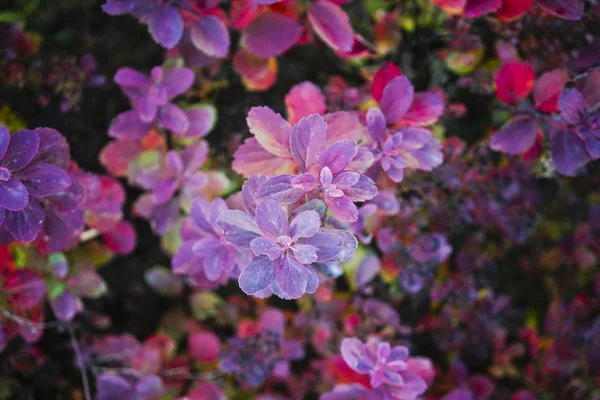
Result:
79,357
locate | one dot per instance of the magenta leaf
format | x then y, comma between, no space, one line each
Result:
396,99
271,34
332,25
567,9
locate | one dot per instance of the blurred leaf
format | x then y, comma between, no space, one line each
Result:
162,280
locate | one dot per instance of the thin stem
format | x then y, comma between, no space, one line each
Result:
80,364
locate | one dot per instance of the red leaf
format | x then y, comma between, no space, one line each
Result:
548,89
383,76
513,9
514,81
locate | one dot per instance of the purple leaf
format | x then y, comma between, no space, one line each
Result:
271,34
126,76
13,195
338,156
54,148
201,121
166,26
292,278
281,189
355,354
22,148
572,107
173,118
376,124
65,306
128,125
249,191
240,228
568,152
305,224
266,246
516,136
210,35
332,25
476,8
43,179
271,218
25,224
4,141
567,9
327,245
258,275
113,387
176,81
397,98
367,270
308,140
305,254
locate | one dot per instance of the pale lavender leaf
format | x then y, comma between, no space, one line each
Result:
362,190
327,245
291,277
249,191
113,387
266,246
305,254
355,354
362,161
338,156
367,270
126,76
305,224
258,275
308,140
271,218
239,228
281,189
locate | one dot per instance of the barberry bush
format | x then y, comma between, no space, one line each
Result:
289,200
